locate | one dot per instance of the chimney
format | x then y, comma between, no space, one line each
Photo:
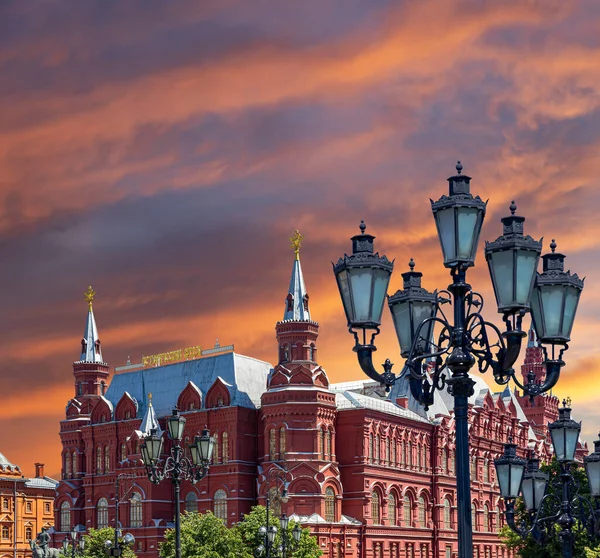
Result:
39,470
402,402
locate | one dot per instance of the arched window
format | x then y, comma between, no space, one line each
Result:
272,445
409,456
375,508
486,518
422,512
328,444
102,514
286,353
452,460
74,462
403,453
220,504
282,449
79,388
445,460
419,455
474,468
424,456
191,502
392,509
387,450
28,533
407,511
329,504
320,445
99,460
370,448
225,447
106,459
474,516
393,453
486,470
215,454
135,510
311,352
123,452
447,514
65,517
67,465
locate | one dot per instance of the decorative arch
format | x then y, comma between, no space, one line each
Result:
102,412
376,503
304,485
218,395
73,408
190,397
126,408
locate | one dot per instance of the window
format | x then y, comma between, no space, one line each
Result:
486,470
320,444
220,504
409,455
5,506
106,459
407,511
272,445
422,512
5,532
424,456
216,447
47,507
474,468
191,502
486,518
448,551
445,460
123,452
99,460
419,454
102,514
28,507
328,444
473,516
447,514
67,465
28,533
393,453
452,461
392,509
387,450
375,508
79,388
329,505
225,447
74,463
65,516
370,448
135,510
403,453
377,448
311,353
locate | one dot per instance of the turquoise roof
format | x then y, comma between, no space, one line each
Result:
245,377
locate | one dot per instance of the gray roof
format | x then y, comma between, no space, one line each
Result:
90,336
45,482
298,292
353,400
6,463
245,377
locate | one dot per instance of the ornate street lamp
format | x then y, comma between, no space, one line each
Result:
116,548
563,506
77,546
509,470
442,360
176,466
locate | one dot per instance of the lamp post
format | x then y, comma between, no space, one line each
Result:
77,546
443,362
176,466
277,475
564,506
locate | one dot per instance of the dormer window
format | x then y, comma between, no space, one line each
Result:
83,345
305,302
290,302
79,388
97,346
286,353
191,406
127,414
219,401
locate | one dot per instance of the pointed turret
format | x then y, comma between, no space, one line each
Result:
90,344
150,422
90,371
532,340
296,302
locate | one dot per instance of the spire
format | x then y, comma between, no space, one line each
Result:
90,344
296,302
149,421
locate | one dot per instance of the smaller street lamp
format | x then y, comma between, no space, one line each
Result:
534,485
509,470
592,469
564,433
116,548
77,546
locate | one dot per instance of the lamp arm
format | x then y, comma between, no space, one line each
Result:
552,376
365,360
415,357
511,520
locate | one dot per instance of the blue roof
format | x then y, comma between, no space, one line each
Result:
245,377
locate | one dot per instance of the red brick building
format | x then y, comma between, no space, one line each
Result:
371,474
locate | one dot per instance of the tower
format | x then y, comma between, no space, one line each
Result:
544,408
298,411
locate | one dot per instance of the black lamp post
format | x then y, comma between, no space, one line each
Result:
176,466
443,362
563,507
77,546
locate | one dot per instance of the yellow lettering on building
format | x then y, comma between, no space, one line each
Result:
172,356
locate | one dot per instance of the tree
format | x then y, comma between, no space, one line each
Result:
205,536
95,542
552,548
249,527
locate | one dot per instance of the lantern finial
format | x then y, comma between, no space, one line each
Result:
459,167
362,227
512,207
411,264
553,245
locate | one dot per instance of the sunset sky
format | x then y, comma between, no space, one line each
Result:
164,153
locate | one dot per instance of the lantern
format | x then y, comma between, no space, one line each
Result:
283,522
151,448
512,261
564,433
297,532
176,424
410,307
509,470
592,469
362,280
458,218
554,300
271,533
534,485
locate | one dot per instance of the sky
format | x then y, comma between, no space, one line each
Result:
164,153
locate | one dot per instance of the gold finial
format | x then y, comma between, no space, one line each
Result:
89,296
150,398
567,402
296,243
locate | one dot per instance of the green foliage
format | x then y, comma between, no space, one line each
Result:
95,544
552,548
204,536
